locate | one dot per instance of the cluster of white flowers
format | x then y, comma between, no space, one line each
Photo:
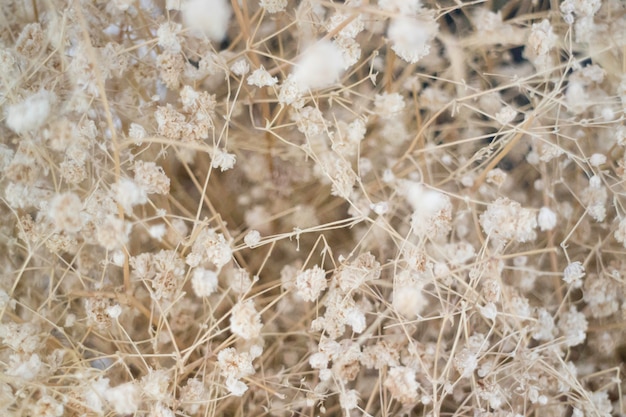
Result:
408,297
223,160
209,246
505,220
319,66
402,384
236,365
310,283
207,18
411,36
432,210
31,113
573,274
312,207
204,282
261,78
245,321
541,41
573,325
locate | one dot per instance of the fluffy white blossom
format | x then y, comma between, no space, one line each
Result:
223,160
540,42
252,238
546,219
405,7
319,66
466,362
411,36
65,212
506,219
349,399
261,78
124,398
573,326
310,283
573,274
388,105
167,36
402,384
245,321
31,113
408,298
128,194
234,366
506,115
208,17
204,282
240,67
211,246
432,210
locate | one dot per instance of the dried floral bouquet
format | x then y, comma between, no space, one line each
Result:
312,208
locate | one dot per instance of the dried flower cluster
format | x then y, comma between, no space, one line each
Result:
333,208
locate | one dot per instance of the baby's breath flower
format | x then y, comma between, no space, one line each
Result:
546,219
506,115
234,364
411,36
240,67
320,66
223,160
602,295
261,78
573,325
388,105
349,31
363,269
65,212
124,398
402,384
573,274
211,246
273,6
310,283
407,297
210,19
155,384
31,40
466,362
252,238
31,113
349,400
506,219
47,406
113,233
204,282
245,322
167,36
407,7
27,367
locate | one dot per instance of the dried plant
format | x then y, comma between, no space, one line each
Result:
314,207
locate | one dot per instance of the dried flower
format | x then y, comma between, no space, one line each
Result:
310,283
573,274
261,78
31,113
209,18
245,322
411,36
273,6
204,282
402,384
